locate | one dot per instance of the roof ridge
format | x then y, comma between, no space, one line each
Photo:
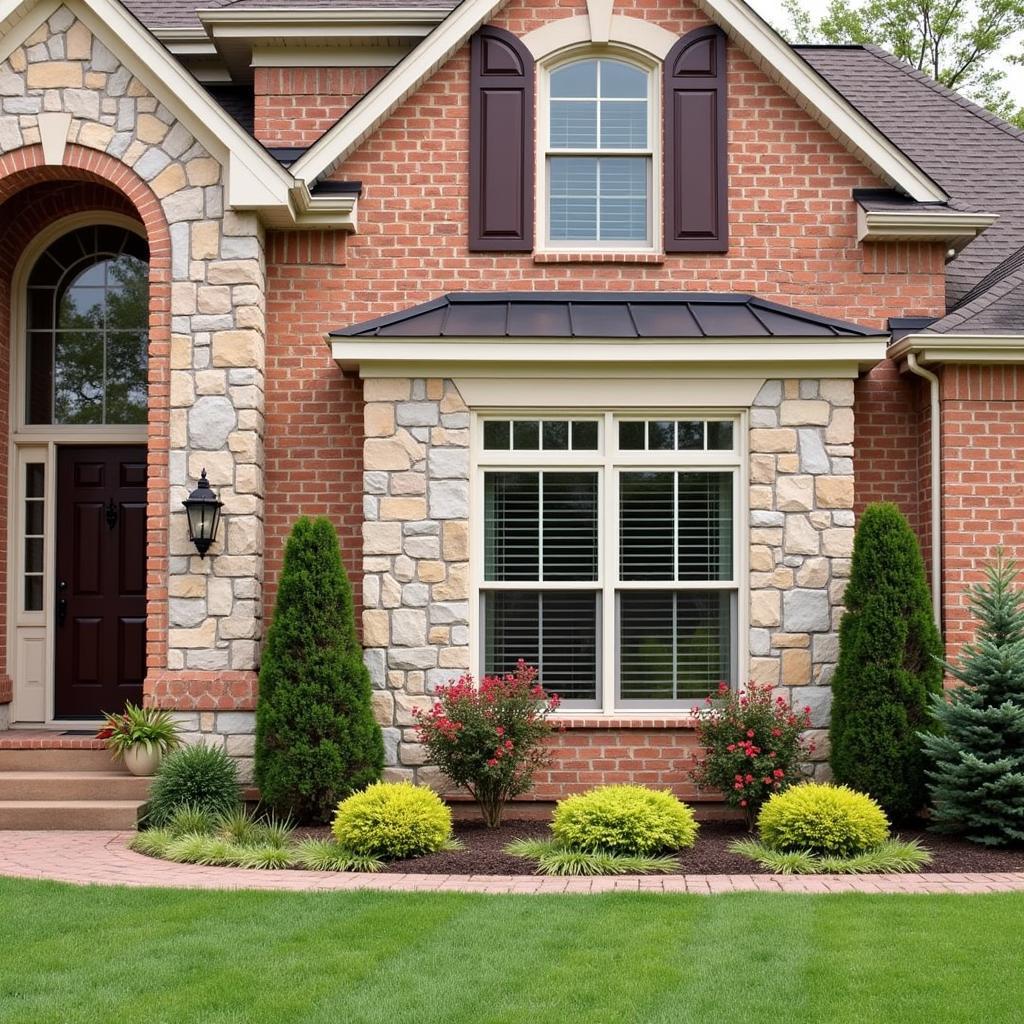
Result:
880,53
1001,270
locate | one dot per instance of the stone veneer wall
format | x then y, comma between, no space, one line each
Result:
416,533
801,539
415,554
216,345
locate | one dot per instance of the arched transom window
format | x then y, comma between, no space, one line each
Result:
88,329
599,154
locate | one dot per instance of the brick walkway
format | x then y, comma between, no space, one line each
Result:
104,858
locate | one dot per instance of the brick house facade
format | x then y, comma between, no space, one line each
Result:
535,274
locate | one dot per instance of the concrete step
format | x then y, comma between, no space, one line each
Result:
38,760
80,785
64,815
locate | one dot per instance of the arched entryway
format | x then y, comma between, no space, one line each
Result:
82,384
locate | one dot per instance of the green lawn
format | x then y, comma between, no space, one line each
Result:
104,954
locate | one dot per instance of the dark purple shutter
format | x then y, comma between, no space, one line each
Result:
500,143
696,169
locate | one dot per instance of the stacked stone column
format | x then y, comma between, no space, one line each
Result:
801,538
415,554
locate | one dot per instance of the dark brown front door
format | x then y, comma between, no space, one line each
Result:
101,579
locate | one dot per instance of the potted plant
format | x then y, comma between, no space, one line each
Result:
141,736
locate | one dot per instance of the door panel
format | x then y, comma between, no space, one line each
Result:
100,629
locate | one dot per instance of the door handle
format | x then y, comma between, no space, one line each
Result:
62,602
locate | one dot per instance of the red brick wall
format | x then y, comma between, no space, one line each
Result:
295,106
982,484
590,753
793,239
314,435
792,219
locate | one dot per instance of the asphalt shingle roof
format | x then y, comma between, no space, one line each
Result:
174,14
602,315
976,157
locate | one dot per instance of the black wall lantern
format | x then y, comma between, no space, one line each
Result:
203,511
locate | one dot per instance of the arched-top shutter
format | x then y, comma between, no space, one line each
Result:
501,154
696,169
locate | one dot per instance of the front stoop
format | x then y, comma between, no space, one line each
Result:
52,785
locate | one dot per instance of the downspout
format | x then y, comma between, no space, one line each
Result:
936,467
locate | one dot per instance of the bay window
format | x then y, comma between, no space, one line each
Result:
609,556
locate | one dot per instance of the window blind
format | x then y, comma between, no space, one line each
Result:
554,630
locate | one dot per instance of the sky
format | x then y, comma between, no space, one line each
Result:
772,11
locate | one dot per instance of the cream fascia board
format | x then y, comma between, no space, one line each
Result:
254,178
941,226
486,356
403,79
758,39
961,348
634,391
357,56
764,45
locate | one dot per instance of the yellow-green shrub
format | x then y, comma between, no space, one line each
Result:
393,820
624,819
823,819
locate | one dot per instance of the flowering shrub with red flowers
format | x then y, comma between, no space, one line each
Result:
752,745
489,738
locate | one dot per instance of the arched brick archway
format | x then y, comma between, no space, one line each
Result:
33,196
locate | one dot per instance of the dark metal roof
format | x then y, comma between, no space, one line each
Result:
602,315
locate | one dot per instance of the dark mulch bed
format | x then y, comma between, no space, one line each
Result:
483,852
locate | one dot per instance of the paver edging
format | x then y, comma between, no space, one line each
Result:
103,858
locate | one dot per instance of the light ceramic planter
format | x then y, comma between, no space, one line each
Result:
140,761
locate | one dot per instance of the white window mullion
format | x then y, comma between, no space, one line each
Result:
610,574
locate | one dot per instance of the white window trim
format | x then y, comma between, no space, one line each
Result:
645,62
609,463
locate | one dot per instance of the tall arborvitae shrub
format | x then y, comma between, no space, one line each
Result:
977,761
316,737
887,672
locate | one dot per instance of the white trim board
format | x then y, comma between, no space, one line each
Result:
254,180
747,357
961,348
746,29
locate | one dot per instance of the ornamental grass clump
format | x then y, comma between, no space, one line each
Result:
391,820
489,738
752,746
200,777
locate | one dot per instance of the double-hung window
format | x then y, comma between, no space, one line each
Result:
599,154
609,555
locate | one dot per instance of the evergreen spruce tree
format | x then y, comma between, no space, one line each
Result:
316,737
888,668
977,773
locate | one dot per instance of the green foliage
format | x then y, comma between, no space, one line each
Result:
153,842
631,820
822,819
238,826
393,820
953,42
489,738
323,855
200,776
191,819
262,858
894,856
147,727
555,859
752,745
887,672
316,736
977,761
